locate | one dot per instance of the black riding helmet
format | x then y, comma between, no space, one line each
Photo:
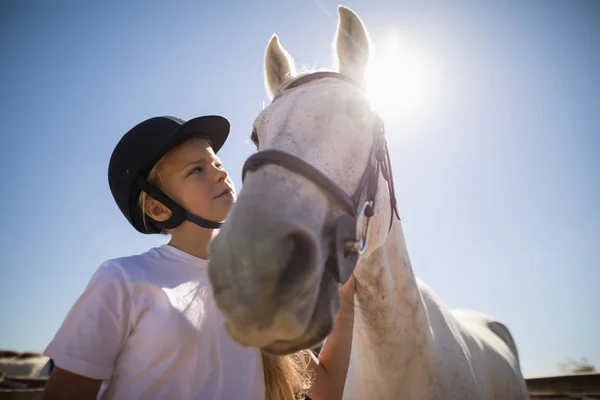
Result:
142,147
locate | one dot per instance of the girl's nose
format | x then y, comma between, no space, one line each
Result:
220,174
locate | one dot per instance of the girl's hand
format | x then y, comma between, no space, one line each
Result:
348,289
331,368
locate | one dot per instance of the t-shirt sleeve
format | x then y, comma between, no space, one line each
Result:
96,327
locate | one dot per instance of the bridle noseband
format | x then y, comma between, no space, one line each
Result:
351,236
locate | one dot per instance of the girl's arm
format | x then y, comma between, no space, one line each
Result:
90,338
65,385
331,367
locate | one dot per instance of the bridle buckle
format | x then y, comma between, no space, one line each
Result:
361,240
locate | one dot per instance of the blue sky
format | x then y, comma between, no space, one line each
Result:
497,174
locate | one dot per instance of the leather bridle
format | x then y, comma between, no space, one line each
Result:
351,237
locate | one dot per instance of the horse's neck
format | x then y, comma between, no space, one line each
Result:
392,337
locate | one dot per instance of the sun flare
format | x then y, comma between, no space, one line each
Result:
400,80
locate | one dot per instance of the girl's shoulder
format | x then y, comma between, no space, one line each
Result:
157,268
120,268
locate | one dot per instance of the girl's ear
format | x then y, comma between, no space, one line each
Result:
156,210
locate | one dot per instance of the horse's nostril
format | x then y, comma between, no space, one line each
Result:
298,253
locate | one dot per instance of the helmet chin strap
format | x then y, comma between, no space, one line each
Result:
178,214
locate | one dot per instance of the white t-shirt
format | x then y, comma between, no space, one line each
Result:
149,327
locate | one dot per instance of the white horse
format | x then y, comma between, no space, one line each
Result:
274,271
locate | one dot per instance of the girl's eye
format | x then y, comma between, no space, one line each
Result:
197,169
254,138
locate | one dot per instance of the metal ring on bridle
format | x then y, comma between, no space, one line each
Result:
359,244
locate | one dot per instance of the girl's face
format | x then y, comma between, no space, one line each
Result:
194,177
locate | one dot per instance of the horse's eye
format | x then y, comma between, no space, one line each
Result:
254,138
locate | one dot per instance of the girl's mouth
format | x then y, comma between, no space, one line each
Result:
226,192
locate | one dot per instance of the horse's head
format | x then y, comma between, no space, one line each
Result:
273,265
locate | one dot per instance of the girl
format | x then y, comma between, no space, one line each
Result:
146,326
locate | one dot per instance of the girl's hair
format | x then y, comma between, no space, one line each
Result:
286,377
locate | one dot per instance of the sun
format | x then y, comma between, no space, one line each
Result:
400,80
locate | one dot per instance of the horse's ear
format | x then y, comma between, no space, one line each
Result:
352,45
279,66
